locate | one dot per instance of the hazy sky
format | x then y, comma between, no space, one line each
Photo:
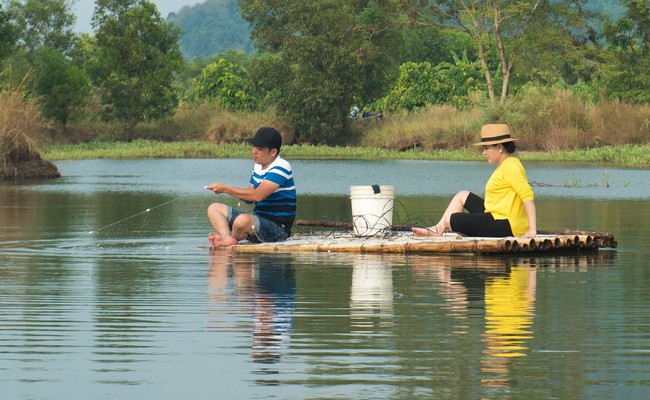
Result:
83,9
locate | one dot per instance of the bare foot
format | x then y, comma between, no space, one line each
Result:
431,231
224,241
214,238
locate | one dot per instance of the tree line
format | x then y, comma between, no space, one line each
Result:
315,60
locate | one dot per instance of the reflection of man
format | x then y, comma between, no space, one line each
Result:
269,284
275,298
272,190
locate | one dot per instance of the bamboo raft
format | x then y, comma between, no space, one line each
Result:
406,242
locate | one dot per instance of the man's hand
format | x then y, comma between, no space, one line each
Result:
217,188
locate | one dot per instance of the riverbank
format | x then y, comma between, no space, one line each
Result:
628,156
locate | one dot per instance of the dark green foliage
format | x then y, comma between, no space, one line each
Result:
331,54
44,23
8,34
62,86
134,60
626,75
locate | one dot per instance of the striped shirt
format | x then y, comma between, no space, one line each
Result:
279,206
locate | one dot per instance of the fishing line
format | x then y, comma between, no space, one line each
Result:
136,214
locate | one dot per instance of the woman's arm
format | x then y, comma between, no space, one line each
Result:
531,213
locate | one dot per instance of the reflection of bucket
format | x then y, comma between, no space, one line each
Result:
372,209
371,295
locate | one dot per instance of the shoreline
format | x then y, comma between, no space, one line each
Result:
625,156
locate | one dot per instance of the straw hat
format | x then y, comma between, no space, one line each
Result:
494,134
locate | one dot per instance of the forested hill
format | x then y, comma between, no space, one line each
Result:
212,27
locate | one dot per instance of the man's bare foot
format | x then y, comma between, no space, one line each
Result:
431,231
214,238
224,241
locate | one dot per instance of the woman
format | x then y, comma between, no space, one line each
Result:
509,206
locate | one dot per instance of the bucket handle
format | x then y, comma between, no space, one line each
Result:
376,189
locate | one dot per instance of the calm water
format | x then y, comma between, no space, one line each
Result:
107,292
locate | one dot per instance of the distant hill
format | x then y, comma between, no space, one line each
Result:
211,28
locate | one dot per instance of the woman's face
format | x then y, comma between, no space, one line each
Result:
491,153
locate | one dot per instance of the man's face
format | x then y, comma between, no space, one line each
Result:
263,155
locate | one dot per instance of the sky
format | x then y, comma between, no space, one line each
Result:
83,9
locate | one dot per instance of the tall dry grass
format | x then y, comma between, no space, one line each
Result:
435,127
234,127
547,119
20,125
613,123
542,118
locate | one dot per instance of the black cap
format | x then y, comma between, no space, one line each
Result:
266,138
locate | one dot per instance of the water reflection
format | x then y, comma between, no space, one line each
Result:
501,291
509,312
371,296
268,284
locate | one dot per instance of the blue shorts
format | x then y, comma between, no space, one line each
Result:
265,230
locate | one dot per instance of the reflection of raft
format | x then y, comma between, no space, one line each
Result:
343,242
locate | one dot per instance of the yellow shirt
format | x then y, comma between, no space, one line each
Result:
505,193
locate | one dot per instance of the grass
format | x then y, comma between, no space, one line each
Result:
19,125
631,156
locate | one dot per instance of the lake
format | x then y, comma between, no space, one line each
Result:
107,291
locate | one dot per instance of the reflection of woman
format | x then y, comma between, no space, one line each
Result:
508,208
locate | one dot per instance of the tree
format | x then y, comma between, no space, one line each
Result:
625,76
63,86
135,56
510,29
8,34
418,85
422,84
44,23
226,84
332,53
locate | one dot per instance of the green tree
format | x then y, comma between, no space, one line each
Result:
44,23
226,84
63,86
135,56
626,75
422,84
8,34
332,52
418,85
505,32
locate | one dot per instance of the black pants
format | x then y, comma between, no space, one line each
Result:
477,222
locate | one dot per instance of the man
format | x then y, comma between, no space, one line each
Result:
272,190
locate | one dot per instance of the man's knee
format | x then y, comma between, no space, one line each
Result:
218,208
243,223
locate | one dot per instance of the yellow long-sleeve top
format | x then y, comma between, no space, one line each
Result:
505,193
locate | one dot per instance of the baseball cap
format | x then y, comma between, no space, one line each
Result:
266,138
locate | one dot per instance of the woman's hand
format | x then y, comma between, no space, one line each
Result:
531,233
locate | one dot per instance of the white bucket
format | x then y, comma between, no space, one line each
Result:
372,209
